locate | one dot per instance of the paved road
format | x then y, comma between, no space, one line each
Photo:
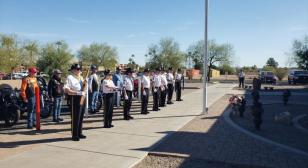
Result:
122,146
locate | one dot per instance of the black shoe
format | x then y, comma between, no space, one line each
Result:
105,126
75,138
111,126
29,127
60,119
54,120
130,117
126,118
82,136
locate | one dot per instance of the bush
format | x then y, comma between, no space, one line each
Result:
281,73
227,68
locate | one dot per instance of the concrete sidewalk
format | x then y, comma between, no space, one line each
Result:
119,146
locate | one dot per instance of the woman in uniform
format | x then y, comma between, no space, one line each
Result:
108,89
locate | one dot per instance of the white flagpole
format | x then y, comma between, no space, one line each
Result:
205,69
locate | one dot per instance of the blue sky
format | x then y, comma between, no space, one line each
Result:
258,29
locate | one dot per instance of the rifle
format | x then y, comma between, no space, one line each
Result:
84,87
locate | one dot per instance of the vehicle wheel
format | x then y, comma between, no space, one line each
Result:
98,105
12,117
289,82
46,110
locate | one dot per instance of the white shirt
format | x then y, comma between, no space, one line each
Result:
242,74
170,78
73,83
129,83
163,79
146,81
157,80
108,86
178,77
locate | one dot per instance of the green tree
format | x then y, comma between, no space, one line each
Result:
99,55
271,62
218,54
9,53
300,52
55,56
165,54
32,53
132,63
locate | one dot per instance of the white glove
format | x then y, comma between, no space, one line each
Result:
155,90
144,93
126,97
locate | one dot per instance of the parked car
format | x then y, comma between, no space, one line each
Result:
297,76
268,77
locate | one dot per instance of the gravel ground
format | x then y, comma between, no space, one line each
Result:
209,141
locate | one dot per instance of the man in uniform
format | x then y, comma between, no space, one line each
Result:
178,87
108,89
28,86
163,88
73,87
146,85
128,93
170,79
156,89
93,89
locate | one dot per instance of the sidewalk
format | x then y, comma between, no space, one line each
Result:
116,147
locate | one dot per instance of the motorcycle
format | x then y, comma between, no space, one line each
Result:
9,111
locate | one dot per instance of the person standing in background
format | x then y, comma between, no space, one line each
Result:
117,79
163,88
93,89
178,87
128,93
28,86
241,77
170,79
55,92
156,89
146,85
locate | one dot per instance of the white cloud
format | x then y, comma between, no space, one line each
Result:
132,35
73,20
143,34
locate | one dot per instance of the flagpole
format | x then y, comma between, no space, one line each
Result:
205,69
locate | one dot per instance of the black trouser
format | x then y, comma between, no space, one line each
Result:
155,98
170,92
163,95
77,113
241,82
145,101
178,89
127,103
108,109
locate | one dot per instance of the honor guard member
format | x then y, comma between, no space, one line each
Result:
28,86
156,89
146,85
55,92
170,79
163,88
178,87
73,87
93,89
128,93
117,79
241,78
108,88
